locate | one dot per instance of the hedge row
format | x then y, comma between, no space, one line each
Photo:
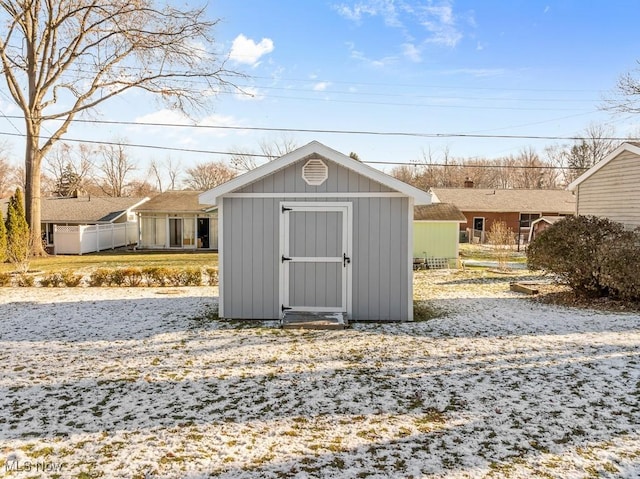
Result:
149,276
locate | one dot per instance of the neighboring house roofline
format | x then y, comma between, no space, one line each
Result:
211,197
87,210
175,202
438,212
506,200
627,146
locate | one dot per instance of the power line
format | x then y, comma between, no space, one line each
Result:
258,155
345,132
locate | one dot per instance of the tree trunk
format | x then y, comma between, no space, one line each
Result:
33,161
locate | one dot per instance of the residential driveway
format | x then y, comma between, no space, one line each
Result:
130,383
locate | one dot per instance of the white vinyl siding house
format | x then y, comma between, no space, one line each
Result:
611,188
316,231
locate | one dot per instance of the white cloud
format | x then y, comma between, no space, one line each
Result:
360,56
245,50
164,117
185,135
440,22
321,86
436,16
410,51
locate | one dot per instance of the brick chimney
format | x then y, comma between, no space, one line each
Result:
468,183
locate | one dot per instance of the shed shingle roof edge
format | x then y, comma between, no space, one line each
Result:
210,197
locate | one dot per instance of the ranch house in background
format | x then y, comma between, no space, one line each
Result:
518,208
85,223
610,188
177,220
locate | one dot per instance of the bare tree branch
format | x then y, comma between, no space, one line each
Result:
63,57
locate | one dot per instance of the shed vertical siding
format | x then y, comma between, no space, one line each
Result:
613,191
380,261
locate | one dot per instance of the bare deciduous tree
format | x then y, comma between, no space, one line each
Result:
116,167
64,57
244,160
208,175
596,143
8,182
70,168
166,170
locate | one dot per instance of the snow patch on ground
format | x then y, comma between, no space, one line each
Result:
131,382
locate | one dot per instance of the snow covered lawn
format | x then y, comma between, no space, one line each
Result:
127,382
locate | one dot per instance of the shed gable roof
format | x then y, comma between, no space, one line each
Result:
505,201
631,147
211,197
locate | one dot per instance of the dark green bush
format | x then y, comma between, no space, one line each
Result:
620,269
592,255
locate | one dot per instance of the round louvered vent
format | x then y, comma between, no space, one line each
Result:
315,172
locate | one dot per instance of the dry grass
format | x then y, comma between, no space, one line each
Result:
119,258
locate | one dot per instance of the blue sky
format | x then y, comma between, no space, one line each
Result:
435,67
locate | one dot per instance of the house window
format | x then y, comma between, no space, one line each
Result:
527,218
153,231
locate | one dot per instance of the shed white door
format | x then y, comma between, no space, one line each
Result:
315,257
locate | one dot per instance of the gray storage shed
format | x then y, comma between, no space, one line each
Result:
316,231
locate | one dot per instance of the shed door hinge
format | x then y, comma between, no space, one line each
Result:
284,258
284,308
284,208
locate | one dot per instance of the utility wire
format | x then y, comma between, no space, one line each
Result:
258,155
346,132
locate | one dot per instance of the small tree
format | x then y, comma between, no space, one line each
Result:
503,240
18,244
3,242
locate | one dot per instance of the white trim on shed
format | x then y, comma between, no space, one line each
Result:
375,260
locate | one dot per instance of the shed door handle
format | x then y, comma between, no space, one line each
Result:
345,260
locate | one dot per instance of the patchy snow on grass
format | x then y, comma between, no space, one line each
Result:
131,382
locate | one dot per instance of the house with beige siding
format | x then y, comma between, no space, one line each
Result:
611,188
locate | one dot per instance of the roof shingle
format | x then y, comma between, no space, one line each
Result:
504,200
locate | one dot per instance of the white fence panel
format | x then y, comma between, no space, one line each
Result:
87,239
66,239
